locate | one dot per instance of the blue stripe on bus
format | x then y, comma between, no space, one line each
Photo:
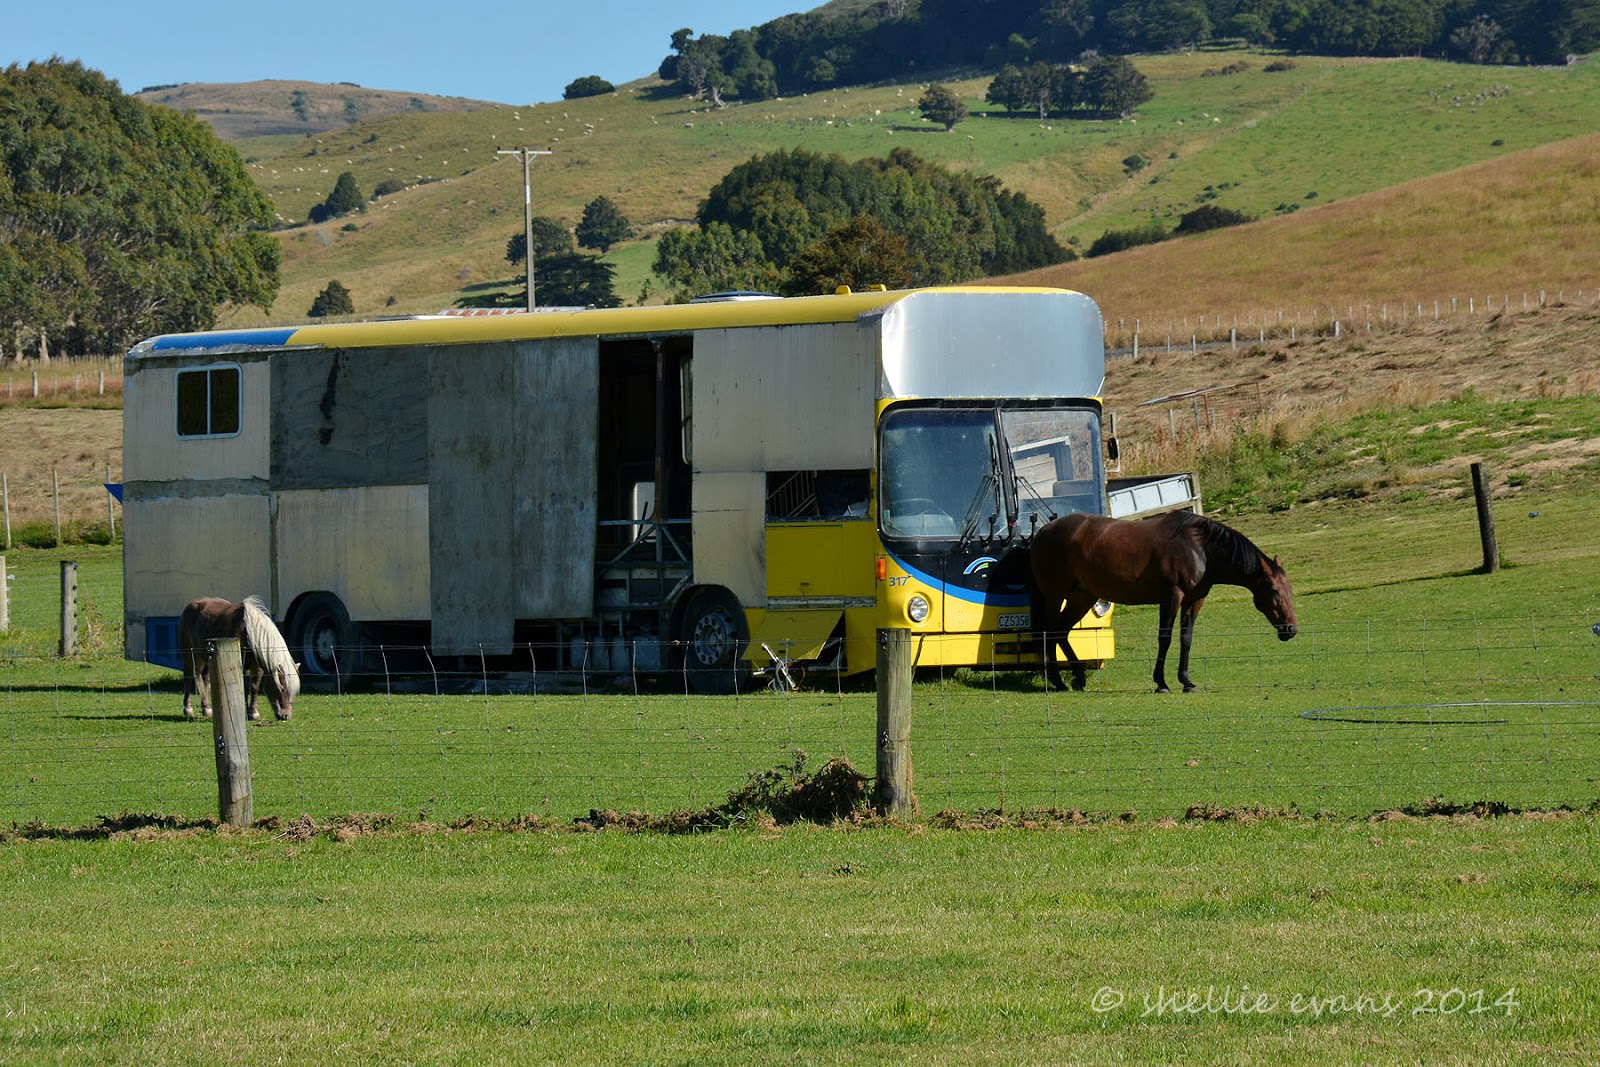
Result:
249,338
971,596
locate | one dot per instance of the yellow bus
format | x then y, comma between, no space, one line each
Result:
723,488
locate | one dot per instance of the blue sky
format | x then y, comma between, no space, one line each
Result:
529,51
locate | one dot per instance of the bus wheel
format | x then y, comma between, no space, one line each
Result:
712,635
322,638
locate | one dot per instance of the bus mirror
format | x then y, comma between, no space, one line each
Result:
1113,446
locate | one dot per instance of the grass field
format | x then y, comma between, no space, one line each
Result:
1437,941
1422,679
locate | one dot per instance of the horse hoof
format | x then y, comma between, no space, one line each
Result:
1162,689
1190,688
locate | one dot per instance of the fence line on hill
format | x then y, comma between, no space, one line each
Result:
1349,718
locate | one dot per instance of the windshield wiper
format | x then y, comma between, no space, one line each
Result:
1005,473
988,486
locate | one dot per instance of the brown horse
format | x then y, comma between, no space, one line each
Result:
1172,560
262,651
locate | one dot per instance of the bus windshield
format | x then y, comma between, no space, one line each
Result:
982,472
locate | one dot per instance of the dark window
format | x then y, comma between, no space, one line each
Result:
208,402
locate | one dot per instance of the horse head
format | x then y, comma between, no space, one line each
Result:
1274,598
283,684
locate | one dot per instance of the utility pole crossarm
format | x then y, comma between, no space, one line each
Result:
526,155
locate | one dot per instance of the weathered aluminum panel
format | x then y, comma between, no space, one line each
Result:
471,464
554,478
178,548
511,447
349,417
784,398
729,523
151,448
975,344
368,545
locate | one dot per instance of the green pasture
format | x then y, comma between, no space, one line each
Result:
1437,941
1413,678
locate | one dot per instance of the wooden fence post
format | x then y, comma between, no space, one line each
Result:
1480,491
893,785
235,804
69,608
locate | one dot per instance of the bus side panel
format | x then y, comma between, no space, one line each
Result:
178,548
555,425
368,545
471,467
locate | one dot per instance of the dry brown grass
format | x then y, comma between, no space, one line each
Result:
1519,225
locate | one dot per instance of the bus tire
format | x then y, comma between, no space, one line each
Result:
322,638
712,635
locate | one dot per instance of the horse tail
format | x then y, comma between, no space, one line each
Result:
270,649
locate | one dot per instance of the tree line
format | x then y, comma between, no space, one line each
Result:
894,39
800,222
118,220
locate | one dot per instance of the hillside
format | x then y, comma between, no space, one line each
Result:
1268,144
245,112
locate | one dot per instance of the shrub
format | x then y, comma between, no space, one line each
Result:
1279,65
1210,217
588,85
388,187
333,300
1121,240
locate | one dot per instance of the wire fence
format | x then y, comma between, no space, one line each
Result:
1347,719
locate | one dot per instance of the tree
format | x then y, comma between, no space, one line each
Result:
345,198
1209,217
588,85
712,259
858,254
1114,84
550,238
333,300
939,104
119,220
603,225
575,280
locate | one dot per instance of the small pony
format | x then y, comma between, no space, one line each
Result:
1171,559
262,651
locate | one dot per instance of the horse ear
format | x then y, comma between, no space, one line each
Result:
297,668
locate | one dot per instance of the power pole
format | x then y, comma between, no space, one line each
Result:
526,155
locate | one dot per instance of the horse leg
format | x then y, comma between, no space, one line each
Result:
188,685
1077,607
1169,612
251,689
1191,609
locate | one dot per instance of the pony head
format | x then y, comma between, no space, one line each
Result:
282,683
1274,598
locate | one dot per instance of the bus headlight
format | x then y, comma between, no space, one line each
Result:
917,608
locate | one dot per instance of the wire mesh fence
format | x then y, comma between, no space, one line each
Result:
1348,719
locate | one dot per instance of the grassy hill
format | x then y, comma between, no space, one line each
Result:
1289,143
269,115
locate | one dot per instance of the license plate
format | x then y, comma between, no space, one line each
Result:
1020,620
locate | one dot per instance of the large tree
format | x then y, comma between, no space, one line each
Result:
117,219
940,104
603,225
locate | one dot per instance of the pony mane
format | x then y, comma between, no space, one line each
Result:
271,651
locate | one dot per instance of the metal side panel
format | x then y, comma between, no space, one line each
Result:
178,548
556,423
471,502
368,545
730,517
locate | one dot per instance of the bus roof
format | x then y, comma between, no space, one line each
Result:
564,322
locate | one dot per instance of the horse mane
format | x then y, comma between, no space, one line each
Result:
1226,543
271,651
